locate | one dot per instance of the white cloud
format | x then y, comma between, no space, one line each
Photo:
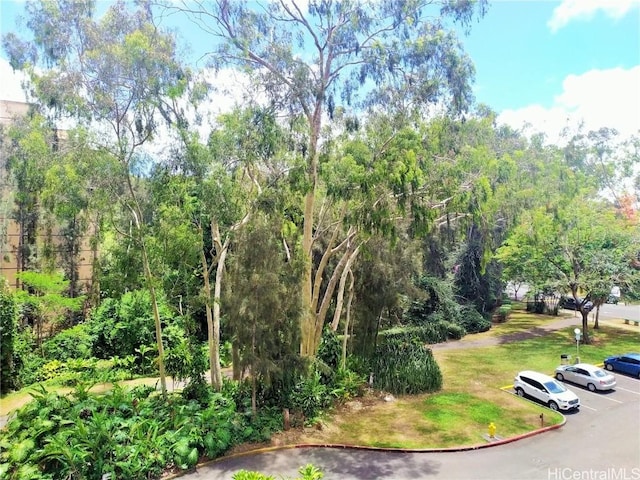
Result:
599,98
570,10
11,88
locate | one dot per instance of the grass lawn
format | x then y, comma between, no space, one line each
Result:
471,397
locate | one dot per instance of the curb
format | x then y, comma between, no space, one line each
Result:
378,449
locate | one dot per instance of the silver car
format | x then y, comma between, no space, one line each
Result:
546,390
590,376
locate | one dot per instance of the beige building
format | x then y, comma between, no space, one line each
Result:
10,229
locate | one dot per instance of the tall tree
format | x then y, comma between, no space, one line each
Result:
29,155
608,159
120,72
580,248
263,305
308,59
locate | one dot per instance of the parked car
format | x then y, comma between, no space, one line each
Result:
590,376
614,296
628,363
545,389
612,299
570,303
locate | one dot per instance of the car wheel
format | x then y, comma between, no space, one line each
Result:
591,387
608,366
520,392
553,406
559,376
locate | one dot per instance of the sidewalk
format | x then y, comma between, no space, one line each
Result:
559,324
563,322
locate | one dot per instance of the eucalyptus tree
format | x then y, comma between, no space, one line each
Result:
607,158
310,58
204,197
119,72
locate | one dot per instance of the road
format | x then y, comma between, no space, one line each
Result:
602,440
632,312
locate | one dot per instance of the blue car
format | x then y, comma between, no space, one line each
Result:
628,363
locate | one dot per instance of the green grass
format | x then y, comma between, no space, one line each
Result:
496,366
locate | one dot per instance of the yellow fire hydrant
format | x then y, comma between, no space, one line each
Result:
492,430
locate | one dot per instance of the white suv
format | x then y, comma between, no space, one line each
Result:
546,390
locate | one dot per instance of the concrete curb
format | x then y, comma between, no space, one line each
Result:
259,451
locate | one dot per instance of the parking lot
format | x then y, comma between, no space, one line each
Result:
597,403
603,435
627,391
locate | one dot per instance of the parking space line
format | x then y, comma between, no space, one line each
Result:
590,408
626,390
603,396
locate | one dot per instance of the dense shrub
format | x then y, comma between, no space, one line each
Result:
118,327
132,434
8,332
75,342
310,396
330,349
433,332
405,367
347,384
472,321
308,472
454,331
26,358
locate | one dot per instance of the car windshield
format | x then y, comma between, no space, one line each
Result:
599,373
555,387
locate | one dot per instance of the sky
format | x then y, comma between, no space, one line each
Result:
541,65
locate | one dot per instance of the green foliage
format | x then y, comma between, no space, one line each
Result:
478,280
405,367
8,332
50,291
454,331
264,307
346,385
472,321
440,317
308,472
27,360
225,353
246,475
75,342
436,331
119,327
310,396
131,434
330,348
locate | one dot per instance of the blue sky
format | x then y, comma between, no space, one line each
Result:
548,63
